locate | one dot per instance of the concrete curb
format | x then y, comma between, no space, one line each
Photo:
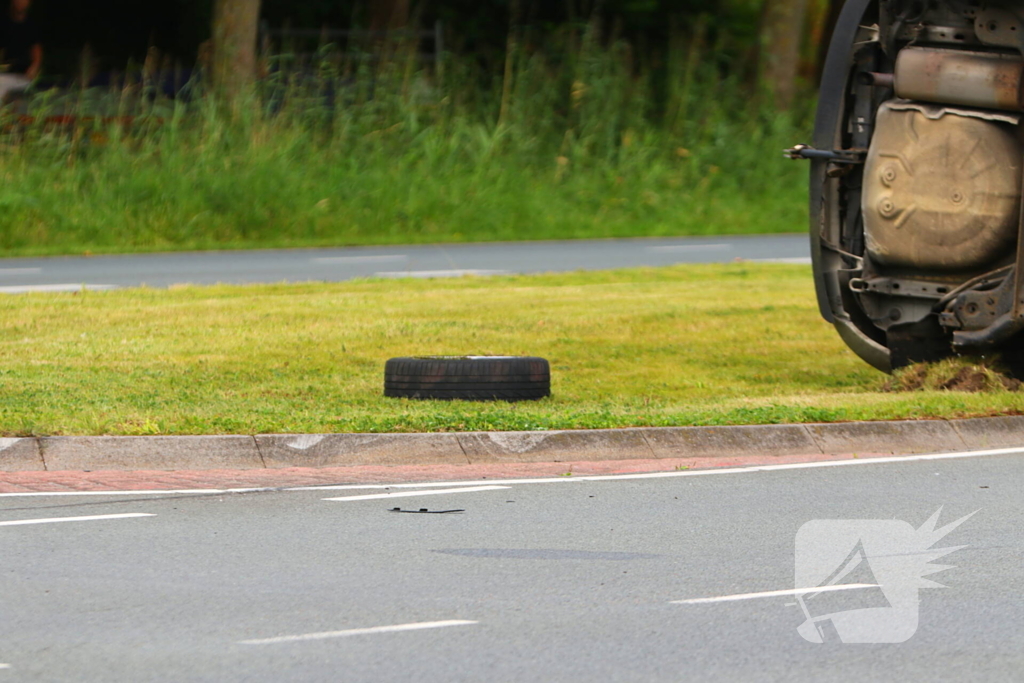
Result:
339,450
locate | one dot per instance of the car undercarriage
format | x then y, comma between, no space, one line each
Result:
916,181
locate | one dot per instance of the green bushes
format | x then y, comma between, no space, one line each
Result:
577,142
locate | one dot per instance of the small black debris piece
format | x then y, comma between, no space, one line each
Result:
425,511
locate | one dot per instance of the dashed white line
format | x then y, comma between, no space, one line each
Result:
377,258
144,492
431,492
690,247
774,594
427,274
324,635
5,666
796,260
89,518
25,289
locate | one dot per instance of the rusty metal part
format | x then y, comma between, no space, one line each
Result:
937,111
943,34
940,194
986,281
1002,329
977,309
879,80
972,79
919,289
1018,272
1000,27
885,310
989,317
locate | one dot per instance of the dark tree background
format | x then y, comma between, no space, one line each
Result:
120,31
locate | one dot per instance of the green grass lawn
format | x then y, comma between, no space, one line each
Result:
693,345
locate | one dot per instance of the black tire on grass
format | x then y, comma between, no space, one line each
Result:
468,378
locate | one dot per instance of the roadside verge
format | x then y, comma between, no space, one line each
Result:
125,453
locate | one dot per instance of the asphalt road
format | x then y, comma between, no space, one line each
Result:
335,265
564,580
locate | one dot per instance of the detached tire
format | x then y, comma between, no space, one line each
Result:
468,378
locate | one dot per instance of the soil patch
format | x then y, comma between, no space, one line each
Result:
953,374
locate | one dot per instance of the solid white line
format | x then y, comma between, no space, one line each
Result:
25,289
773,594
145,492
691,247
556,480
323,635
426,274
409,494
694,473
380,258
90,518
795,260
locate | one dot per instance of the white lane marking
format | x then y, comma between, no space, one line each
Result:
147,492
25,289
5,666
89,518
795,260
772,594
19,271
553,480
431,492
379,258
690,473
427,274
690,247
324,635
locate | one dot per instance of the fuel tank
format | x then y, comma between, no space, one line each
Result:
941,190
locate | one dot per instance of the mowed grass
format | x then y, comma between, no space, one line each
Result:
695,345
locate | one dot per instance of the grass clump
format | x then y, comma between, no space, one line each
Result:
697,345
577,141
964,374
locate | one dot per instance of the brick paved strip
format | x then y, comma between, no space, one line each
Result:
156,480
91,453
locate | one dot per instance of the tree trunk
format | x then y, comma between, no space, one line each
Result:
235,24
388,14
782,32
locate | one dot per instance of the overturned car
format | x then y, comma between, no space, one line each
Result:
916,181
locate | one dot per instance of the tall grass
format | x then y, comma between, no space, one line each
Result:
573,140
